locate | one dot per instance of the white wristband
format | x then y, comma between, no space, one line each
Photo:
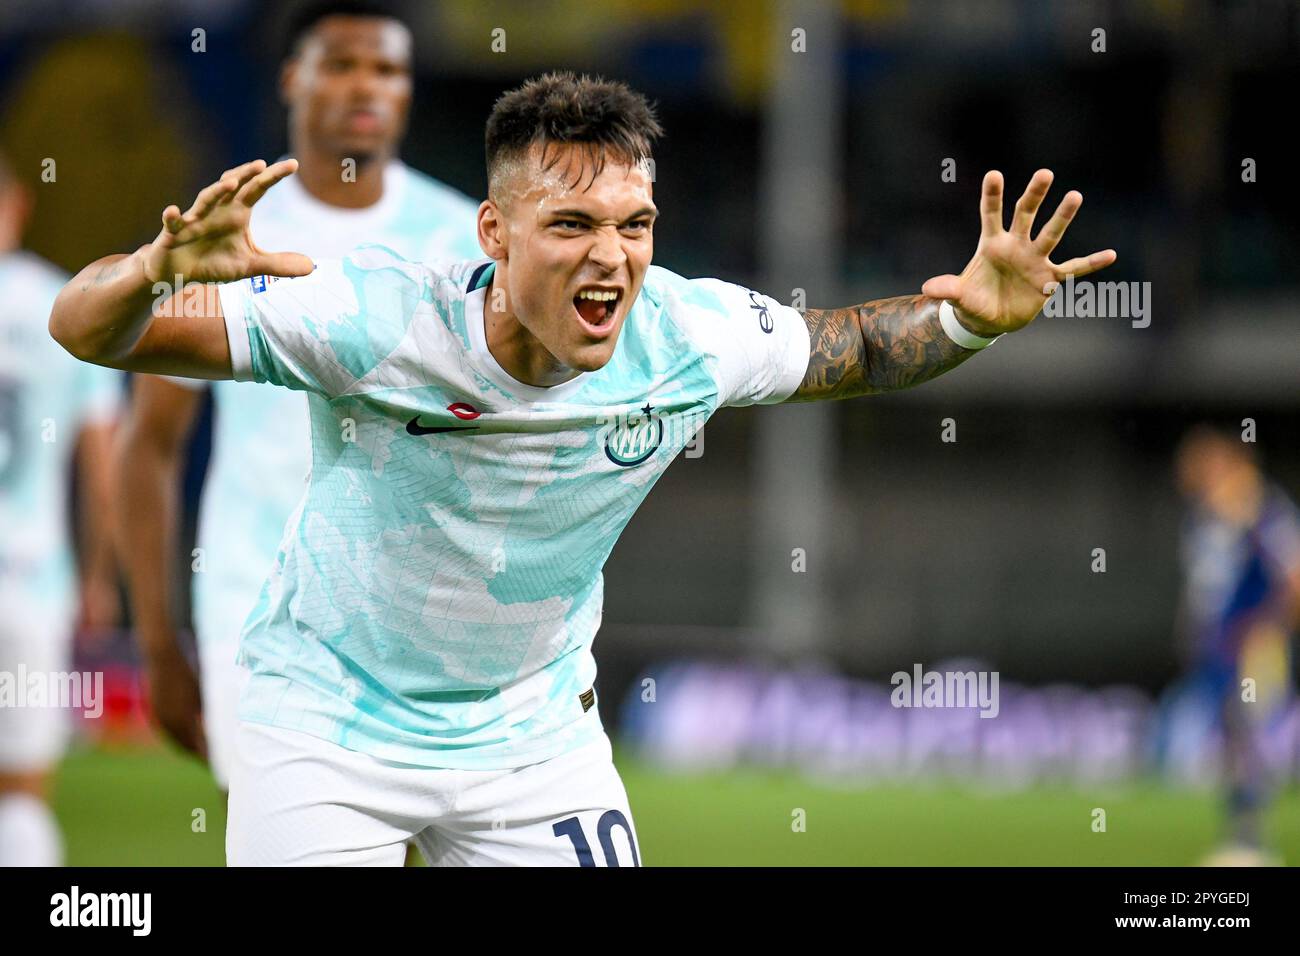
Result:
959,333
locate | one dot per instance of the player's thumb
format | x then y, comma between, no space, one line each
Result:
942,287
283,264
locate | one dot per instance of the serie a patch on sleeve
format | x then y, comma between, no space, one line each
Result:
262,283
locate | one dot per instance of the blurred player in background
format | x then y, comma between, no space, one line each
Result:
48,407
347,83
1241,561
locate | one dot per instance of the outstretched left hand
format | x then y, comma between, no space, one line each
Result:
1010,277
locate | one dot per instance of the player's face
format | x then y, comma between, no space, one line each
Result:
349,89
575,251
1215,476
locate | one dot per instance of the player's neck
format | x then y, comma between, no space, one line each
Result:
338,182
517,350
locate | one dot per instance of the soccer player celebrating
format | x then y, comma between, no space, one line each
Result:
48,407
347,83
419,661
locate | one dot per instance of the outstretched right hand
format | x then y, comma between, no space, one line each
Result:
211,241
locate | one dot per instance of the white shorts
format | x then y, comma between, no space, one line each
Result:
220,683
34,643
297,800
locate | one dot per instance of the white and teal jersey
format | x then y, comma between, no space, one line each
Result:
436,594
261,451
46,397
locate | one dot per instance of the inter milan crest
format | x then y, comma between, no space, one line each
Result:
634,438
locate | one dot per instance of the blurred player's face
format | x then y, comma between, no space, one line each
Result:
571,251
349,88
1218,477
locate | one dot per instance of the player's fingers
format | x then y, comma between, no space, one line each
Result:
209,196
242,175
222,189
282,264
942,287
1027,205
1085,264
256,187
1051,233
991,204
244,171
172,221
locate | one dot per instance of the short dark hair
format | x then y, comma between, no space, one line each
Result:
606,116
305,18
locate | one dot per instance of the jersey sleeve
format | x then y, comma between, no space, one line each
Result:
761,347
323,332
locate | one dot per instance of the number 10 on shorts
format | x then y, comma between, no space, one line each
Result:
571,827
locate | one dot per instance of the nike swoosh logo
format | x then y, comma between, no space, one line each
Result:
413,427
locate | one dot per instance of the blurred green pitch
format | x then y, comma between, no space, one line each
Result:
135,806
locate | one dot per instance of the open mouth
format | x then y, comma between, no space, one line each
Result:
596,308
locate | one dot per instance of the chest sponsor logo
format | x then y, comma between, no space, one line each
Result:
462,410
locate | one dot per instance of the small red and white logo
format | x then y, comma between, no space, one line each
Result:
462,410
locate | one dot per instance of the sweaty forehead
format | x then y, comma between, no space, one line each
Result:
376,36
567,179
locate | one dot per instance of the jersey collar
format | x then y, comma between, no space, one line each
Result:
475,300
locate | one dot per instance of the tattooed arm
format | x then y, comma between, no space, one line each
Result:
877,347
895,343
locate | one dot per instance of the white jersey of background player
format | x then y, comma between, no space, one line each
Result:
348,87
48,405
